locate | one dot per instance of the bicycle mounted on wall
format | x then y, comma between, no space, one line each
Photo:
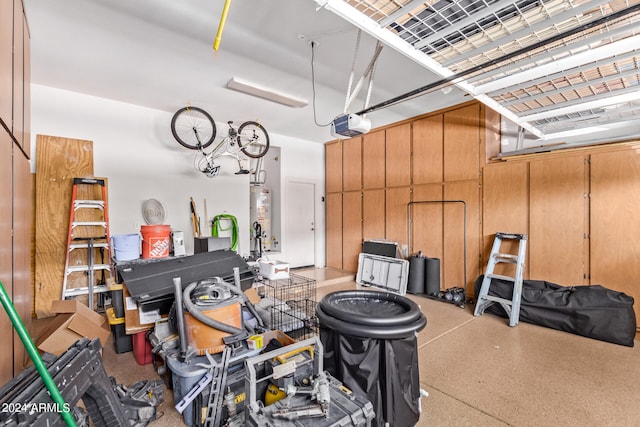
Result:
195,129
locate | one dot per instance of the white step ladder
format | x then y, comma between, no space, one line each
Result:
512,306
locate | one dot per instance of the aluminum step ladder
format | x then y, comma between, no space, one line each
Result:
512,306
85,217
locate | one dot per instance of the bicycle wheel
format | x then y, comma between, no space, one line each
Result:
253,139
193,128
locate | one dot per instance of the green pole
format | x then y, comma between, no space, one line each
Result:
35,357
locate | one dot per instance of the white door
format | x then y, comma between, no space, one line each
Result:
300,224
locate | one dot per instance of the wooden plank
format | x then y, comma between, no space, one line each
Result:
453,260
351,229
334,230
427,220
333,166
615,202
373,215
396,214
557,220
352,164
373,160
59,160
426,164
505,208
6,62
462,144
398,156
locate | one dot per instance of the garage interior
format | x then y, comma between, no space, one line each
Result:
486,117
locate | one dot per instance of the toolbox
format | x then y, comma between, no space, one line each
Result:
325,403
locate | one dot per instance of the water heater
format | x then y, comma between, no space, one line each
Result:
260,211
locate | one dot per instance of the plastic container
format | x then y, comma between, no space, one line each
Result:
141,348
121,340
202,337
126,246
156,241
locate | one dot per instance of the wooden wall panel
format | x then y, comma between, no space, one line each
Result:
59,160
426,161
334,230
373,214
26,103
558,224
396,214
615,203
6,61
462,143
453,259
22,209
398,155
505,208
333,166
351,229
373,160
18,72
427,220
352,164
6,251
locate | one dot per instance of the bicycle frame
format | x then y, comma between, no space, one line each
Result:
223,149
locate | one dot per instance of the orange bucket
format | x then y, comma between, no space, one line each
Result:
156,240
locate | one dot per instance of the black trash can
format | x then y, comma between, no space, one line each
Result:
370,345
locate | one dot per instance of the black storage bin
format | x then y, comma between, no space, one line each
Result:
370,345
591,311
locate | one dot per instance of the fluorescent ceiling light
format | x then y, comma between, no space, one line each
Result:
265,93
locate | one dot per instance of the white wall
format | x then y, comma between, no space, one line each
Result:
133,148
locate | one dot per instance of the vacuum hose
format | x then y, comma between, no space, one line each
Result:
195,311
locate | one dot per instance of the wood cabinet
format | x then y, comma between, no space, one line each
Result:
351,229
352,164
333,167
373,160
462,143
334,230
15,180
615,203
558,226
427,220
427,157
398,155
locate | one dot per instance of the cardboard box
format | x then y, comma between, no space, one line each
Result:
73,321
274,270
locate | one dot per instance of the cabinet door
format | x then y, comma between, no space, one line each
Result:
333,166
373,214
398,155
22,217
397,200
558,225
426,220
505,208
351,229
453,261
462,143
18,72
6,274
26,102
426,161
334,230
373,160
352,164
615,203
6,61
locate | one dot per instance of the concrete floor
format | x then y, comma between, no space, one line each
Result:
480,372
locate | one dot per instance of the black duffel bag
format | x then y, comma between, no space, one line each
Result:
591,311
